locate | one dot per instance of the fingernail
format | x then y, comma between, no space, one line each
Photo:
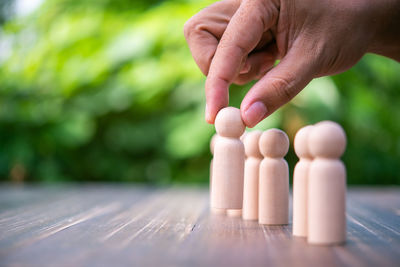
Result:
255,113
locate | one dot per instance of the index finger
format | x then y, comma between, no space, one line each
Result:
241,36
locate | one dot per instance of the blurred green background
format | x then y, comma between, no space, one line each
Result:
106,90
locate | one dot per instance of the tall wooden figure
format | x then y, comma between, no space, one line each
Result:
300,181
327,185
228,162
274,178
251,173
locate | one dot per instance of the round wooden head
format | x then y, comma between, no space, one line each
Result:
327,139
212,143
301,142
228,122
274,143
251,146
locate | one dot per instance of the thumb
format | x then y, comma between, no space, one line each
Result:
278,86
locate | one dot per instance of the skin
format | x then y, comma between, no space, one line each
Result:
237,41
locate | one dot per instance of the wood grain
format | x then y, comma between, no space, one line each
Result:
115,225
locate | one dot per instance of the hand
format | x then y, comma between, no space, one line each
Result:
235,41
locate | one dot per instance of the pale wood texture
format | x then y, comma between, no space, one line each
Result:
300,181
326,202
300,196
228,161
234,212
212,144
273,194
110,225
218,211
251,173
227,174
326,185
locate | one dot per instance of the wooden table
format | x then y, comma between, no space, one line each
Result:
125,225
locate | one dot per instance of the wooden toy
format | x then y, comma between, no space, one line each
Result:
327,185
274,178
228,162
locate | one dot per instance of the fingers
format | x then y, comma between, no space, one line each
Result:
202,46
258,64
204,30
278,86
241,36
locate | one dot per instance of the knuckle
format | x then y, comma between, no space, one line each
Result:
264,11
188,27
193,27
282,87
236,48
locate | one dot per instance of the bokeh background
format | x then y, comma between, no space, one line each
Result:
106,90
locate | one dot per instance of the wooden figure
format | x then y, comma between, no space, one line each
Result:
300,181
274,178
251,172
228,162
327,185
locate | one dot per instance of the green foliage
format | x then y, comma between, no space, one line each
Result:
108,91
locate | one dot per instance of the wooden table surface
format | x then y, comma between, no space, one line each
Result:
125,225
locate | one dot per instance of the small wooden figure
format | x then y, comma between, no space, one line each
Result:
300,181
274,178
228,162
251,172
327,185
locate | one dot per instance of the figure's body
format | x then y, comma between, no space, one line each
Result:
251,173
274,178
327,185
228,162
300,181
212,145
237,212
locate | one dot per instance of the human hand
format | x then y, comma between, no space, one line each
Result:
236,41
